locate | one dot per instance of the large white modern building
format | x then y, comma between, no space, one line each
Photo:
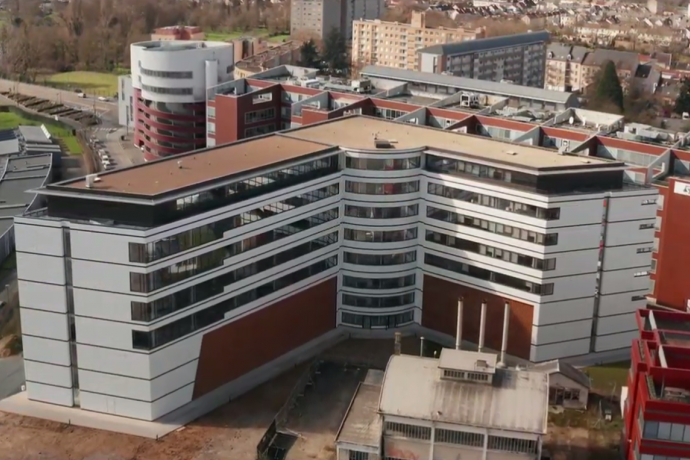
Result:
164,99
193,278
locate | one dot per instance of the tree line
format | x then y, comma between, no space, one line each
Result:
95,34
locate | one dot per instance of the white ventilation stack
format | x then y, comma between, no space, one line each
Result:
504,339
458,328
397,348
90,179
482,327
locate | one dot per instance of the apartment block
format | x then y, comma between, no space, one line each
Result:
518,59
656,401
392,44
316,18
573,68
564,67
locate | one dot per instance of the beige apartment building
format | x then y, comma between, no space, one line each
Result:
392,44
564,67
573,68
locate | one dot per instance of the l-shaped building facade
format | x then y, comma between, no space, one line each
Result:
149,287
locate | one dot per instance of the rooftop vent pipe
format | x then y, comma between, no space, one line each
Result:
504,340
482,327
458,328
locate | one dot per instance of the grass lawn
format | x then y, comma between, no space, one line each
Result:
220,36
10,120
609,377
100,84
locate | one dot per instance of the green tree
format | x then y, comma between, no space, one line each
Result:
608,93
683,99
309,55
335,52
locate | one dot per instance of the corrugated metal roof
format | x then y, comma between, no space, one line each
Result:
517,400
34,134
568,370
469,84
362,423
482,44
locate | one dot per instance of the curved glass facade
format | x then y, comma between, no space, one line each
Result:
377,164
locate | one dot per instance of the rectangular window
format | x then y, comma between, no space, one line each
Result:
643,250
260,115
204,263
190,239
211,127
211,112
148,340
646,226
494,202
648,202
487,275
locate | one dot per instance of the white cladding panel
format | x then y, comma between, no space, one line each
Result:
39,240
632,279
49,394
100,247
616,324
45,324
559,350
637,255
114,361
626,302
624,233
562,332
46,350
563,311
101,276
48,373
578,212
136,409
615,341
104,305
103,333
632,208
41,296
135,388
44,269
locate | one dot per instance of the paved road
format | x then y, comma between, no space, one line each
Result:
107,110
124,153
11,375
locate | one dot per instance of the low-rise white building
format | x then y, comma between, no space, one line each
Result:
463,405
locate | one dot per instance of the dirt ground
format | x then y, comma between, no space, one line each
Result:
230,432
575,435
318,415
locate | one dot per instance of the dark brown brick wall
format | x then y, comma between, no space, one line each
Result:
440,307
250,342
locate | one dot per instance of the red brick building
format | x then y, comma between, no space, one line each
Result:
657,408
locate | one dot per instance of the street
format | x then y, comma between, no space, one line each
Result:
11,375
107,110
108,132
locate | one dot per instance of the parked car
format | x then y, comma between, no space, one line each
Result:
78,91
82,95
103,98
